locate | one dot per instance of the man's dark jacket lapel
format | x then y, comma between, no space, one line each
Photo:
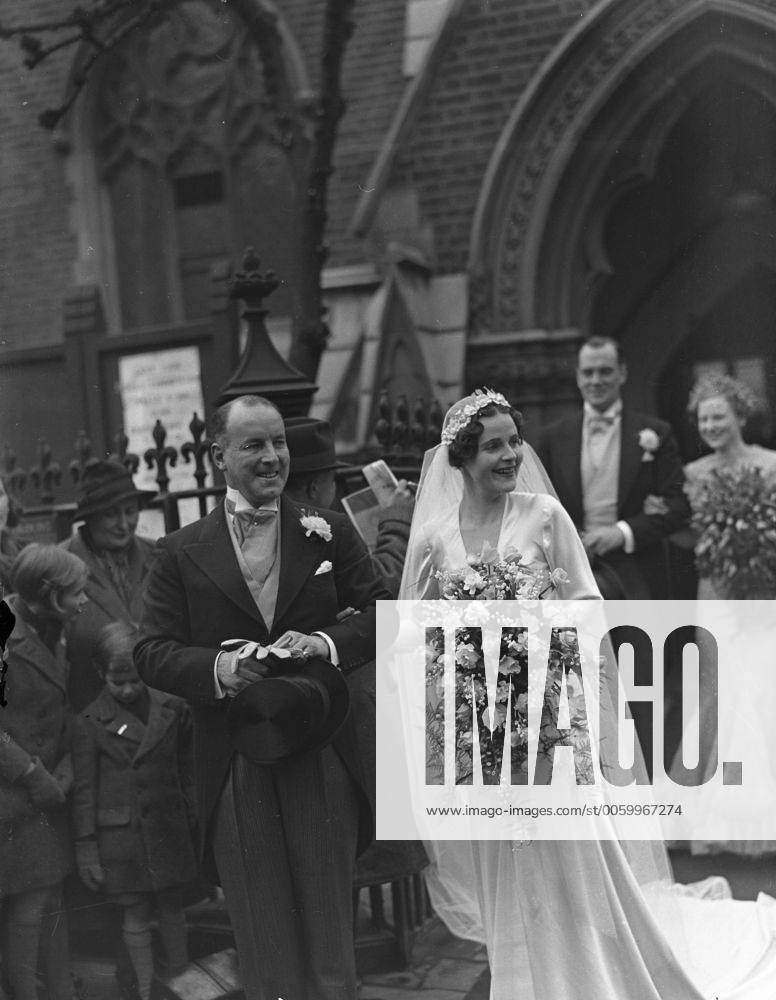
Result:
566,472
299,557
214,554
630,454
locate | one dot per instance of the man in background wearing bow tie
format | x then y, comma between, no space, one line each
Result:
619,475
284,837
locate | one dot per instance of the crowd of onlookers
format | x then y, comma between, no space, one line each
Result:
96,769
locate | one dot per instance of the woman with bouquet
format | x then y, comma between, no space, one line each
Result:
732,493
568,920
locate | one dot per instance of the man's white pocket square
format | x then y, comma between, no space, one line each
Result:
325,567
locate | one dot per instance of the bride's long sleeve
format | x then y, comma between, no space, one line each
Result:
563,549
418,580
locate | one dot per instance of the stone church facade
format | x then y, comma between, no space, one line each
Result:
510,176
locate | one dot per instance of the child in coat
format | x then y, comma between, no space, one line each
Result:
134,810
36,771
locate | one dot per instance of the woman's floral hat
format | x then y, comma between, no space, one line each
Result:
464,411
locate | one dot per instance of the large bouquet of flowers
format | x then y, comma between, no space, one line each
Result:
735,517
502,727
489,577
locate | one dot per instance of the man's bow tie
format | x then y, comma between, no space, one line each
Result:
597,423
246,519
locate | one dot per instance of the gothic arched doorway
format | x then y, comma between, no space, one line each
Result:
632,194
692,283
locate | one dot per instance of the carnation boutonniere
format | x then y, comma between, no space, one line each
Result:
649,442
314,525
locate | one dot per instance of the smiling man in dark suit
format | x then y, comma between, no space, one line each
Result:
619,475
284,837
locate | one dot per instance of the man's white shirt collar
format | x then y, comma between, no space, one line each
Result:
240,503
614,411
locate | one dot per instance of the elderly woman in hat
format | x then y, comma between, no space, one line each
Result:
117,560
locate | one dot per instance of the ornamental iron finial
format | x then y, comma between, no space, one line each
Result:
198,449
400,437
128,459
84,454
15,479
249,284
160,456
47,474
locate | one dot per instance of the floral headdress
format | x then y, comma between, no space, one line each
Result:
467,409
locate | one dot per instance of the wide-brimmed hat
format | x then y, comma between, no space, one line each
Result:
105,483
310,446
290,713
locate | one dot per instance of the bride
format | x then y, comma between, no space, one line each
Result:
562,920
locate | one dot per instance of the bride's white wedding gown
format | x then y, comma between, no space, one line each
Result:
572,920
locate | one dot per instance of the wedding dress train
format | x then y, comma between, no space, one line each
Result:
591,919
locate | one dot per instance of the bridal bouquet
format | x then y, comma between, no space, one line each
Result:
735,516
502,725
489,577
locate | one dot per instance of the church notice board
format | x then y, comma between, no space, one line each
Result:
162,385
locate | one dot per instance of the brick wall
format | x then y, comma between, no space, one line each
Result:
497,47
373,84
37,246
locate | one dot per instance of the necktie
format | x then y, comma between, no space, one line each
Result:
246,520
257,538
598,424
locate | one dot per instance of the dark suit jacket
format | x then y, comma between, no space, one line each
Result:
559,446
106,605
196,597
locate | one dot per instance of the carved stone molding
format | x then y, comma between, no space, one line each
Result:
191,83
535,369
609,49
519,189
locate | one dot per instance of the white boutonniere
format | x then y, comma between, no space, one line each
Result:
649,442
314,525
325,567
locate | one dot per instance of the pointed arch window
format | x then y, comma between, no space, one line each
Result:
190,165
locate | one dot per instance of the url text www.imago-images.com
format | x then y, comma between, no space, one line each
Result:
554,713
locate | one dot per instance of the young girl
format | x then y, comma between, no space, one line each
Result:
134,808
36,772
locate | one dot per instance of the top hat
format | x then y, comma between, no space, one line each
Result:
291,713
105,483
310,446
